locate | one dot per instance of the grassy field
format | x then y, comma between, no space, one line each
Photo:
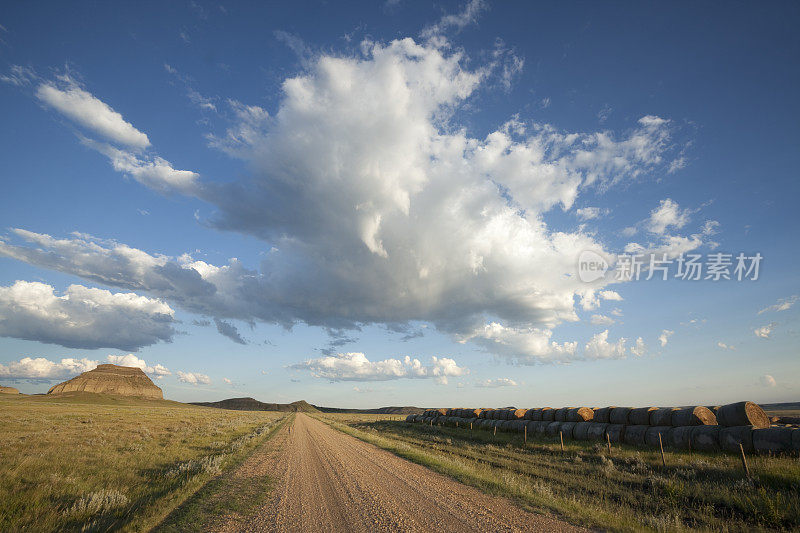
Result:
97,463
625,490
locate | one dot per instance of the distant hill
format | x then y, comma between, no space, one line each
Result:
251,404
111,379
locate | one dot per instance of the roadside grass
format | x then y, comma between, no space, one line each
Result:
222,495
626,490
97,463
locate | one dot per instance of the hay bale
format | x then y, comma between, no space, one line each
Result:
533,414
705,438
693,416
567,429
553,428
410,418
731,437
614,432
519,425
775,439
640,416
796,440
519,414
580,414
442,411
742,414
485,414
561,414
681,437
661,416
635,435
651,437
596,431
602,414
548,414
581,431
619,415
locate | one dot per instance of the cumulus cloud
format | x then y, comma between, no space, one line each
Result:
598,347
601,320
496,383
764,331
640,348
589,213
356,367
725,346
80,106
768,381
83,317
194,378
784,304
379,210
664,337
43,369
668,214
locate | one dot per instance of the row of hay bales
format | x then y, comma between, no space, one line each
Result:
695,427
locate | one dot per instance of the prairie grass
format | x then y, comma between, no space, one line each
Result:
625,490
97,463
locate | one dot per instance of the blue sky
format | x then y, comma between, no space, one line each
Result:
384,204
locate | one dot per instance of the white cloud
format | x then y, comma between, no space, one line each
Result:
496,383
784,304
227,381
601,320
130,359
668,214
458,21
598,347
764,331
664,337
83,317
82,107
726,346
640,348
43,369
378,210
589,213
768,381
356,367
194,378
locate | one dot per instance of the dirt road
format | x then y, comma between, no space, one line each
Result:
329,481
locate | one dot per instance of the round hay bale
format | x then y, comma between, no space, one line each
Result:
519,425
602,414
796,440
533,414
742,414
619,415
509,413
548,414
772,439
485,414
580,414
519,414
553,428
635,435
614,432
561,414
597,430
410,418
651,437
681,437
661,416
706,438
581,431
731,437
567,429
693,416
640,416
475,413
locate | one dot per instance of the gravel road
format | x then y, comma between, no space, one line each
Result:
329,481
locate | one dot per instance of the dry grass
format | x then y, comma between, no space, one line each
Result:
93,463
627,490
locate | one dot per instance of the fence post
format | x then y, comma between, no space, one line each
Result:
744,461
661,446
526,434
608,441
495,430
561,437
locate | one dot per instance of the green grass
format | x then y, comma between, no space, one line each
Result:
626,490
97,463
224,495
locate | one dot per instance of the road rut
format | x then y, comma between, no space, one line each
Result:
329,481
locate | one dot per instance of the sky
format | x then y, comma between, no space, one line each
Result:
453,204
